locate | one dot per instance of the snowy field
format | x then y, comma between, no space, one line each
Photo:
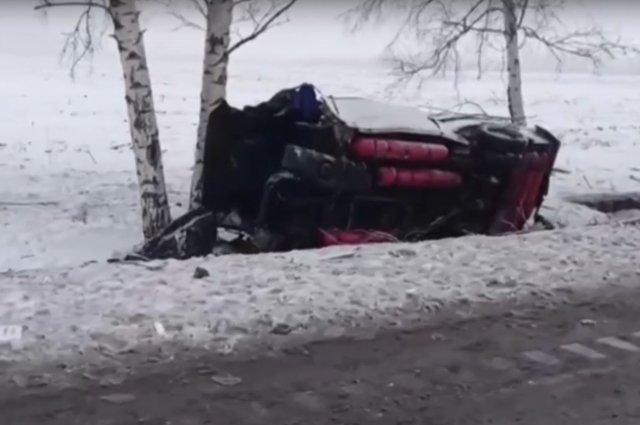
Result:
68,201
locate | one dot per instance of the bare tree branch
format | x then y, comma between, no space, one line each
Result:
185,23
441,25
252,12
523,11
201,7
261,25
441,29
80,43
89,4
445,37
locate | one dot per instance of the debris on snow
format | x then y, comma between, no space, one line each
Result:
10,334
282,329
200,273
226,380
588,322
118,398
160,330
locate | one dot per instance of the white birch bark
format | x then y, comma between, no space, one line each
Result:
142,117
214,82
514,85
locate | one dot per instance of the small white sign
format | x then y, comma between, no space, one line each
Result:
10,333
160,328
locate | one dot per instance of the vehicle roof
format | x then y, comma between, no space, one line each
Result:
372,116
376,117
365,114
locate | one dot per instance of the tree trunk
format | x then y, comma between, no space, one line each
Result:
514,87
142,117
214,82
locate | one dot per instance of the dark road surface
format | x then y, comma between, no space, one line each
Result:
576,365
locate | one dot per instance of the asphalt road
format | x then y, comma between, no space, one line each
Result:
578,364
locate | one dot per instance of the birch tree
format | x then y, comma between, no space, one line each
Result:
512,53
440,27
217,19
138,95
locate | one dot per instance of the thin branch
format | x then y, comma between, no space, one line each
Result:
261,21
446,38
589,44
440,25
482,42
88,4
523,12
260,29
80,42
200,6
185,22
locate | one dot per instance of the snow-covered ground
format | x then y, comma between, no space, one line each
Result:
68,199
98,313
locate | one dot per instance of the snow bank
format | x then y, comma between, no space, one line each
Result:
110,309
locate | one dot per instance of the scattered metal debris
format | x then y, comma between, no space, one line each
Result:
281,329
226,380
118,398
200,273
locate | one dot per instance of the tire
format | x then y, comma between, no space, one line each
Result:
501,139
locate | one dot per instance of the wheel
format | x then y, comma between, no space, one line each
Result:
497,138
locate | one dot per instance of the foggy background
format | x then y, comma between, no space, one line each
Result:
314,33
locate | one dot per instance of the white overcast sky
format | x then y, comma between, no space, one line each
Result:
313,32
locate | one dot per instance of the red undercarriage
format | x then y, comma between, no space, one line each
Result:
521,199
